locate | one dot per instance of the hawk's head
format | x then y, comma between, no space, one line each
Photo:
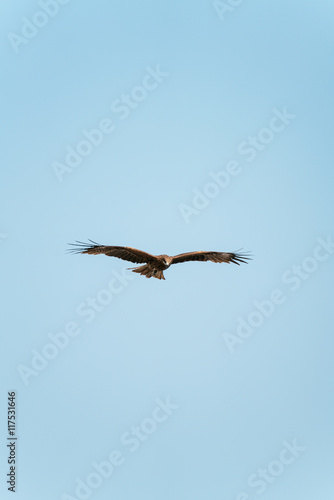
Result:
166,260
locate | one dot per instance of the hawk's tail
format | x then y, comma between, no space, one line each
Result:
148,272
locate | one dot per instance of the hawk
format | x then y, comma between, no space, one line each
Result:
156,264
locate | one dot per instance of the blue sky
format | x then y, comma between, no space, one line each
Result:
170,128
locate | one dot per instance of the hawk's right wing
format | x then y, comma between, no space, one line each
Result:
124,253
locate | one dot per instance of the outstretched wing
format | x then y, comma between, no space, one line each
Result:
124,253
236,258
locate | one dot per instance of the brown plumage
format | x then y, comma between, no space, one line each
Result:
156,264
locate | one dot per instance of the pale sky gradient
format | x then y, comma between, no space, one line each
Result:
242,387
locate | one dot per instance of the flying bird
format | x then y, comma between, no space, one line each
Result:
156,264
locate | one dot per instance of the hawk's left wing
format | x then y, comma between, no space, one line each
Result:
236,258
